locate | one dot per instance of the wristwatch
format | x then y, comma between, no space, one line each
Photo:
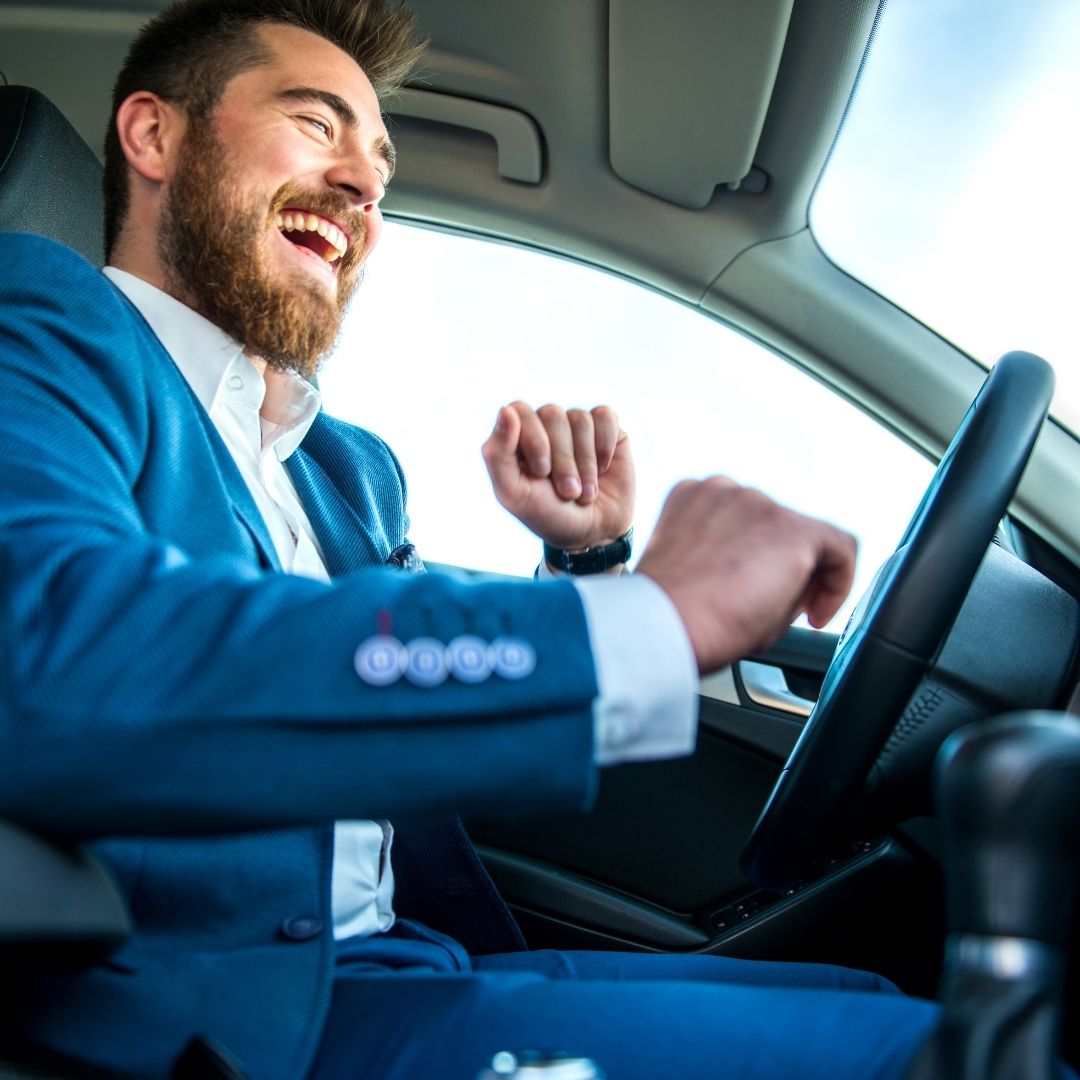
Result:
592,560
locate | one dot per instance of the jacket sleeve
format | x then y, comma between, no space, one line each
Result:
147,690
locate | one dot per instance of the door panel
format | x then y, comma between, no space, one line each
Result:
664,838
655,865
668,832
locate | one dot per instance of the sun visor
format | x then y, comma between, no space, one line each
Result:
689,83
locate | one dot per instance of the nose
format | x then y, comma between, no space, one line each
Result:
359,179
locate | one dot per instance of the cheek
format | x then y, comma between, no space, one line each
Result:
373,222
260,166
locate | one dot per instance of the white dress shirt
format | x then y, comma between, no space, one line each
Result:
647,677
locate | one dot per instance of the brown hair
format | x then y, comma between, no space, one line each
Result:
188,53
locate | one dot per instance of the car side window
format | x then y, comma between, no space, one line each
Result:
446,328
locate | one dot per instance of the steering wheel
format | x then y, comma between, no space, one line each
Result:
898,627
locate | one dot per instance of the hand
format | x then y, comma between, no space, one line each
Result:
566,474
739,568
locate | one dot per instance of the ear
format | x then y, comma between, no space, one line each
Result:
150,132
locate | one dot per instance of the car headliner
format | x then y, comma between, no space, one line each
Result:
632,113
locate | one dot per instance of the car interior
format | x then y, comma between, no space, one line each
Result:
679,146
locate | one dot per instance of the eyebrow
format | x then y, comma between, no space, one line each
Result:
346,114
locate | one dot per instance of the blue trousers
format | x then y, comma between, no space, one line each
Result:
414,1004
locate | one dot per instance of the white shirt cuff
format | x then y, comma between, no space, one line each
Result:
647,707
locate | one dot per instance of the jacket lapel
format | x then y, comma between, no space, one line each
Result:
242,502
348,542
357,522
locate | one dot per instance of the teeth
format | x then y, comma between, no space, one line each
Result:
301,222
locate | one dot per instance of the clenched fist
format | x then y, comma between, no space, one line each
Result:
566,474
739,568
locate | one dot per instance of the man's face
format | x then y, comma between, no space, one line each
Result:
273,205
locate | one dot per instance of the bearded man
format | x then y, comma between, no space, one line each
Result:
218,671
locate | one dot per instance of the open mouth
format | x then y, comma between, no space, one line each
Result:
317,234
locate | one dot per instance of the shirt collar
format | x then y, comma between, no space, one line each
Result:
207,357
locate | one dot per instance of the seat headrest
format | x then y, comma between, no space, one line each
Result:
50,180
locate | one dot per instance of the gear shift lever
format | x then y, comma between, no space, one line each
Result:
1008,794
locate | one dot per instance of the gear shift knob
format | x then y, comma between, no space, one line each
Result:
1008,794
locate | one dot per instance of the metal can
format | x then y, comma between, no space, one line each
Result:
540,1065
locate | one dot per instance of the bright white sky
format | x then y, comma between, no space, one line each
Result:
446,329
961,204
947,192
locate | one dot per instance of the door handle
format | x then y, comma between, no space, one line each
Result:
765,685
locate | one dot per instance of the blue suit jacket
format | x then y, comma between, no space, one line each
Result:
167,693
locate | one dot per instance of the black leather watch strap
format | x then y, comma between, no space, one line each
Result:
591,560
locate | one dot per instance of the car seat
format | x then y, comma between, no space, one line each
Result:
50,180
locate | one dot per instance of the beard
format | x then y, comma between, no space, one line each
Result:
212,243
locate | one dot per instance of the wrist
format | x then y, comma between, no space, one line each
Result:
595,559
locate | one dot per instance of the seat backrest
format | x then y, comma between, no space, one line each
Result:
58,906
50,180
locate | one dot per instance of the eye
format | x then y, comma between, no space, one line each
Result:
320,125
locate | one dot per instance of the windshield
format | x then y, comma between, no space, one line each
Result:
952,186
